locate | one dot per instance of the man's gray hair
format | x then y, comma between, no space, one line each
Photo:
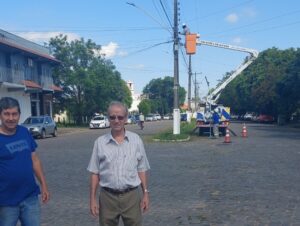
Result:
9,102
119,104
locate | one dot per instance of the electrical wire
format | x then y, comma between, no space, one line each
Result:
149,15
264,29
150,47
162,5
92,30
221,11
157,10
259,22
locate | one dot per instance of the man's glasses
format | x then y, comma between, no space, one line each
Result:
114,117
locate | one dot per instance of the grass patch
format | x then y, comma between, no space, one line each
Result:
186,130
61,125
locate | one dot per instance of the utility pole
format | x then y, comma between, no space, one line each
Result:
189,83
176,111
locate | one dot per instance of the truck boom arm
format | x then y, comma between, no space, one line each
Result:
213,97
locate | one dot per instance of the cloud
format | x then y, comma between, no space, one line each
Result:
109,50
42,37
232,18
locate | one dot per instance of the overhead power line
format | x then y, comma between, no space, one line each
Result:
256,23
149,15
264,29
162,5
150,47
89,30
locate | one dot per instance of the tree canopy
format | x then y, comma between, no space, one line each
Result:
90,82
269,86
161,95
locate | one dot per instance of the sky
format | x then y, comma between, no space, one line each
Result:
137,36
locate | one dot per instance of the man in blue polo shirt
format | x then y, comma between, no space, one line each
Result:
19,164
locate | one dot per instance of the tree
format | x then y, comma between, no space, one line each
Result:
161,95
89,81
145,106
288,89
265,86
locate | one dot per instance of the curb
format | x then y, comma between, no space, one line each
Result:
181,140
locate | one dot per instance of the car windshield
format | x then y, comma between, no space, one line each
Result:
34,120
98,118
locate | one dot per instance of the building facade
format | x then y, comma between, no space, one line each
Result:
136,98
26,74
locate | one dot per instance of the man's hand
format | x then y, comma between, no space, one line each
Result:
45,195
94,208
145,202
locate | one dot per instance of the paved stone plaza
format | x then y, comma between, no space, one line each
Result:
251,181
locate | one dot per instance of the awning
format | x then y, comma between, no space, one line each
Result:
56,88
31,84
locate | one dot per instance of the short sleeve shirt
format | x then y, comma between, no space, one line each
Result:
17,180
118,164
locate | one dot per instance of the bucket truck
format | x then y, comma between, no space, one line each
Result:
204,118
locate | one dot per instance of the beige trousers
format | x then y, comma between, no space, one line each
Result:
125,206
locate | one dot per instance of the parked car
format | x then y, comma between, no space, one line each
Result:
168,117
136,118
131,119
157,116
41,126
100,121
150,117
248,116
265,118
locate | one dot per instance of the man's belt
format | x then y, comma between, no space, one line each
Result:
119,192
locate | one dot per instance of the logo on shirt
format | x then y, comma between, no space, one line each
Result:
17,146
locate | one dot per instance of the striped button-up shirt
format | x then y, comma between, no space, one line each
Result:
118,164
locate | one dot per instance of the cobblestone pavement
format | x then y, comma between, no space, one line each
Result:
251,181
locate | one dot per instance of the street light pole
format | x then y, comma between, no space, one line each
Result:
176,111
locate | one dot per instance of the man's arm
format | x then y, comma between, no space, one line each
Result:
38,171
145,200
94,208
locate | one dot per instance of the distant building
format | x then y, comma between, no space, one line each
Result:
136,98
26,74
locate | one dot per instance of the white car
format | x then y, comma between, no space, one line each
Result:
168,117
150,117
99,121
157,116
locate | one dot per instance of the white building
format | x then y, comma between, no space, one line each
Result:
136,98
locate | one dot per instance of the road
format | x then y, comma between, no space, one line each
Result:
251,181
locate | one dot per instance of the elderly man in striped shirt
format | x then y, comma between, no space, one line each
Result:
119,165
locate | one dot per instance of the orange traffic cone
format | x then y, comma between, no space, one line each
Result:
244,131
227,137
